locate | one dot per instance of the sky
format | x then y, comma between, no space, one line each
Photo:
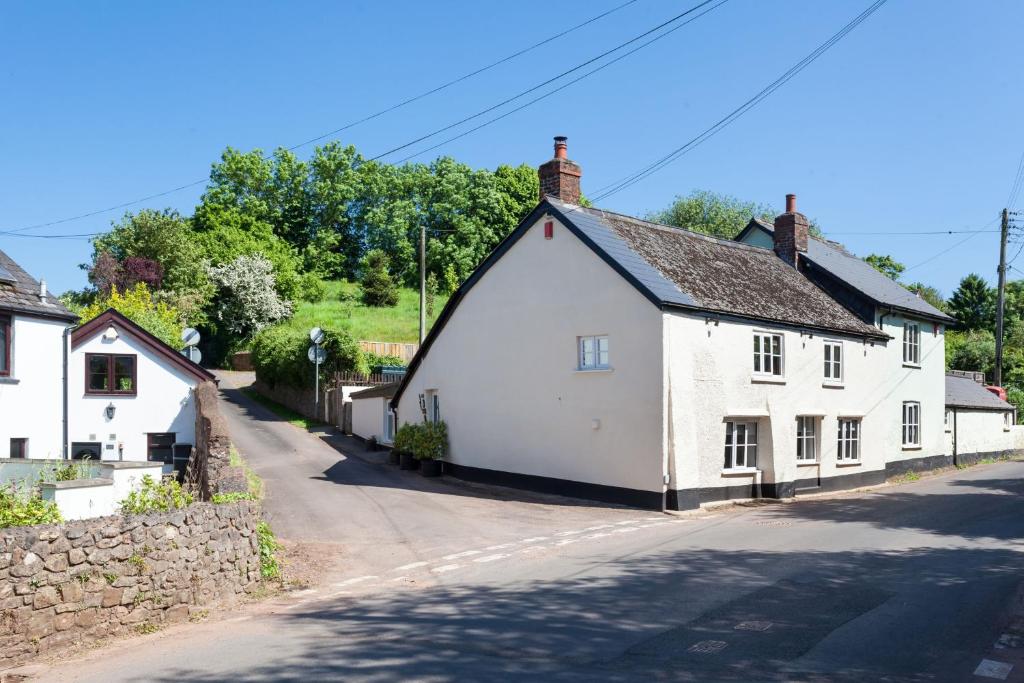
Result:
910,124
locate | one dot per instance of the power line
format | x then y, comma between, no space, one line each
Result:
563,86
622,184
969,237
1018,181
347,126
918,232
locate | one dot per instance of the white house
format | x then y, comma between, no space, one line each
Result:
978,423
599,355
33,325
372,416
131,395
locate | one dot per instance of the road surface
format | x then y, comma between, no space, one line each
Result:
440,581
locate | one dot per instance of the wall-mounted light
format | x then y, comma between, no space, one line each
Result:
110,411
110,334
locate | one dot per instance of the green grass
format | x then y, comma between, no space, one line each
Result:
235,459
365,323
283,412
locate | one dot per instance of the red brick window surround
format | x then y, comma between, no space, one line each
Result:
109,373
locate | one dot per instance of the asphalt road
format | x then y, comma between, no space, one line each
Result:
438,581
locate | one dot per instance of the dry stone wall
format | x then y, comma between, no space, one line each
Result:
77,582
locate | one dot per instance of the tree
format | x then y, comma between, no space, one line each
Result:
716,214
378,287
138,305
247,300
973,350
973,304
431,292
886,265
108,273
929,294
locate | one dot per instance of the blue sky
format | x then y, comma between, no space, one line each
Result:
912,123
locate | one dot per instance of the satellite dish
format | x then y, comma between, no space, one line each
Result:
190,336
193,354
316,335
316,355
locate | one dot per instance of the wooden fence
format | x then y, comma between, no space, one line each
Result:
403,351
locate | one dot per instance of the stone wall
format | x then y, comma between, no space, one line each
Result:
74,583
209,468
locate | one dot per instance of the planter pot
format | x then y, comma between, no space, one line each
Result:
393,457
430,468
407,462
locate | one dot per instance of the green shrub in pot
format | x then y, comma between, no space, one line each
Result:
430,441
405,437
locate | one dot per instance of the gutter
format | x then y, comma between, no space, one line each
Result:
881,318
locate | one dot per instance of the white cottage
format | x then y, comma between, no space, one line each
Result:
372,417
979,424
607,357
131,395
33,328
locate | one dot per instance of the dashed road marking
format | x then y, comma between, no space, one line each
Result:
446,568
535,539
567,541
358,579
625,530
532,548
490,558
501,546
411,565
398,579
598,527
708,647
465,553
572,532
989,668
753,626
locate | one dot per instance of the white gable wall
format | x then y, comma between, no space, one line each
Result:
31,400
504,369
164,401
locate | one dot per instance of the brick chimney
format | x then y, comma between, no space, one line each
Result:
791,230
560,177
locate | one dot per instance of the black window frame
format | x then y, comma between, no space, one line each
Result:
152,437
22,450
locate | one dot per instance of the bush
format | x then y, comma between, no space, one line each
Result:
269,566
312,288
405,437
156,496
232,497
26,508
379,288
425,441
279,356
374,361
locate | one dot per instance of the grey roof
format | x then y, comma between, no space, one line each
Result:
22,296
964,392
862,276
380,391
688,269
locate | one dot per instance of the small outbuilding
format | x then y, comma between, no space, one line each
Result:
978,423
372,416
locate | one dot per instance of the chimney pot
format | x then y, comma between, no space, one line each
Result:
42,289
560,176
790,203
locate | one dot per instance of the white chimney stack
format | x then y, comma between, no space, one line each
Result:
42,289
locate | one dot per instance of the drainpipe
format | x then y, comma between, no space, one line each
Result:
956,458
881,318
64,395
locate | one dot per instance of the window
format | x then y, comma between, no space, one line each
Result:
740,445
911,424
109,374
947,421
593,353
806,441
767,354
1007,420
19,448
834,362
86,450
911,343
159,447
389,424
435,408
5,345
849,440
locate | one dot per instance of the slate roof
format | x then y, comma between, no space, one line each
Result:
862,277
691,270
22,296
380,391
964,392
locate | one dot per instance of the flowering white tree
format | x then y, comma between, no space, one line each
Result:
247,301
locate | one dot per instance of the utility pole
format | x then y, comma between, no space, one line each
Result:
423,280
1001,300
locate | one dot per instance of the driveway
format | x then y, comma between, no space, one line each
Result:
439,582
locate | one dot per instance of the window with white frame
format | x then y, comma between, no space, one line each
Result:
948,420
911,424
806,438
768,354
834,362
1008,420
593,352
740,445
911,343
848,447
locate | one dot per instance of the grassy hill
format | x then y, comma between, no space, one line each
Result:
341,308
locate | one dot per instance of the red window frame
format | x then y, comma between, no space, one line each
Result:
111,376
8,331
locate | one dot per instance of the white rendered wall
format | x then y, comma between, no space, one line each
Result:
982,431
368,417
164,402
31,403
505,364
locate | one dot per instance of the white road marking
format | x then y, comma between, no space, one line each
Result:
567,541
597,535
499,547
466,553
534,539
571,533
628,521
412,565
598,527
490,558
753,626
398,579
992,669
708,647
446,568
625,530
532,548
308,591
358,579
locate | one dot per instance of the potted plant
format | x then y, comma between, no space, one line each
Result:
430,446
402,449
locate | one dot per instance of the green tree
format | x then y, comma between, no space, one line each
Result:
138,305
886,265
973,304
378,287
715,214
973,350
929,294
